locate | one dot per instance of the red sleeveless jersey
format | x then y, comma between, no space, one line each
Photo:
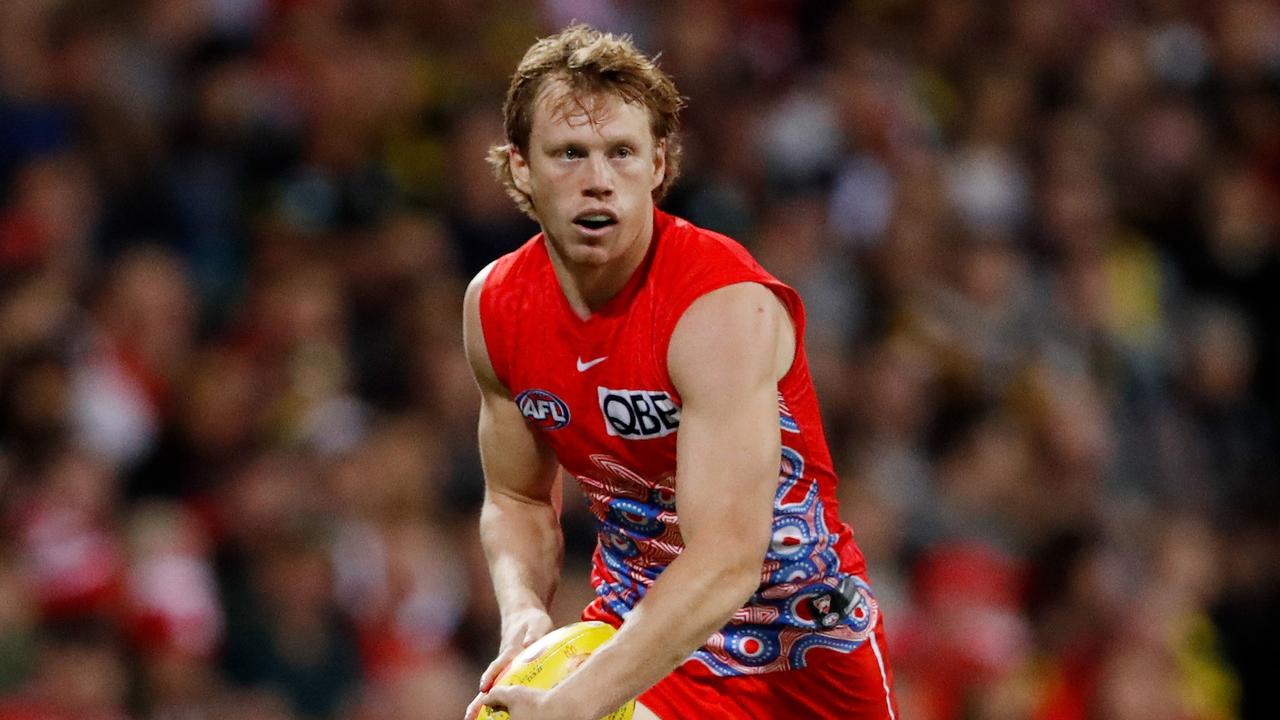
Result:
598,392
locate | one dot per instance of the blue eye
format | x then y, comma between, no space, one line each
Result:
623,152
571,153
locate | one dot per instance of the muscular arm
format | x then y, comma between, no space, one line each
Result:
519,521
726,355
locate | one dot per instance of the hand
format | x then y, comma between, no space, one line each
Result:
520,703
519,630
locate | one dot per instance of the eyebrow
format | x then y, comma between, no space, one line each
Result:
609,142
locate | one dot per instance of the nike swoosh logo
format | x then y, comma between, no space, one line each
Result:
585,366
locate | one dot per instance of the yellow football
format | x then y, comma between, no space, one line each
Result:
553,658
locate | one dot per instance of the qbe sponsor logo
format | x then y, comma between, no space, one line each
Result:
543,409
638,414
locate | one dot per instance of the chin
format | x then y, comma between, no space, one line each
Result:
590,255
586,250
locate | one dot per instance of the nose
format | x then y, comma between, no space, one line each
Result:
599,178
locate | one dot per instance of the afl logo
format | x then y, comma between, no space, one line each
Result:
543,409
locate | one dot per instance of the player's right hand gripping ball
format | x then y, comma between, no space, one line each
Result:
553,658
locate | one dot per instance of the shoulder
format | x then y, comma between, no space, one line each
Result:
515,265
694,248
716,291
505,284
473,338
497,276
740,331
747,304
471,301
694,261
488,308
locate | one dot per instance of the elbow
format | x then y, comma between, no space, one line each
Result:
746,576
742,562
739,583
739,573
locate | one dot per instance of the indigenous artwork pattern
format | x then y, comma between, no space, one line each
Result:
639,535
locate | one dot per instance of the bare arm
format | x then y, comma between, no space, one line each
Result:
726,356
519,521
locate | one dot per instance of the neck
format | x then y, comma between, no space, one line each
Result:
589,287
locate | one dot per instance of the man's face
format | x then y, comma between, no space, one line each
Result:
591,169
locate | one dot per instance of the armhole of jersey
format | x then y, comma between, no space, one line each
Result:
791,302
489,330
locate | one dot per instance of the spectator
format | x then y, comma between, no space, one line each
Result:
1039,242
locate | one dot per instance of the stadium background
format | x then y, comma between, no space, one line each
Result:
1039,242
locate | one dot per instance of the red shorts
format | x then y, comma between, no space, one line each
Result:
850,686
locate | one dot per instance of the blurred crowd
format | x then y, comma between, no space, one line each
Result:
1039,242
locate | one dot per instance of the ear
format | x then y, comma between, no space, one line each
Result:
659,163
519,169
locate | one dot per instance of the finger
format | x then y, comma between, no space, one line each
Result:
497,697
483,700
496,667
473,709
507,695
480,702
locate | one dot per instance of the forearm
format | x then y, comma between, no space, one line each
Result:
693,598
524,547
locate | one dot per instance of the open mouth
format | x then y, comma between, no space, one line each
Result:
595,221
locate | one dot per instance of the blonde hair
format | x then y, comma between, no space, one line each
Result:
588,62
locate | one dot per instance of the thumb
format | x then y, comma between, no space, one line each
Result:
497,710
473,708
499,696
